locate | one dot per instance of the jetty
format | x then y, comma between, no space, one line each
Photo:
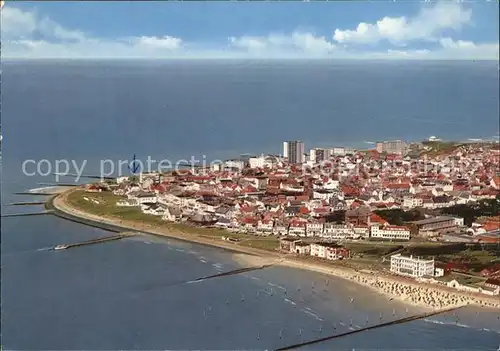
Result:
27,203
74,175
33,193
376,326
28,214
233,272
99,240
61,184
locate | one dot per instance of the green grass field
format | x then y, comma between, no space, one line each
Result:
107,207
365,253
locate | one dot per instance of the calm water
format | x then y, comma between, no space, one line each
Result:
118,295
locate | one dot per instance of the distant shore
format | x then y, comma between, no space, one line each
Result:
426,296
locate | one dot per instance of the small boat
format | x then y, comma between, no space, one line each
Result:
61,247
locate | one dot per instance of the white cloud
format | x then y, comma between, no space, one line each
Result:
248,43
17,23
450,49
449,43
165,42
27,35
20,30
297,43
468,50
426,25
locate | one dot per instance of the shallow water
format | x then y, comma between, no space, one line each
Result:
125,294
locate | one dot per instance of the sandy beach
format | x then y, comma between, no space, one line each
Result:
423,295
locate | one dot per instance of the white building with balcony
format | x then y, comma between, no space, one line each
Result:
412,267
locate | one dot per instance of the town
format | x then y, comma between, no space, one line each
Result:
315,203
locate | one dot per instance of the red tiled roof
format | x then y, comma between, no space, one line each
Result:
247,209
398,186
491,270
249,220
304,210
302,198
493,282
376,218
490,226
249,189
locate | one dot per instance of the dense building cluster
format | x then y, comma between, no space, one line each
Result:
329,193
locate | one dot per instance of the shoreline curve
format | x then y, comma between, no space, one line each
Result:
417,294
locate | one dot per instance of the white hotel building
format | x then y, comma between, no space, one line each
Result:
389,232
412,267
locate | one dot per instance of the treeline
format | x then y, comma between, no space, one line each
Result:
469,212
335,217
400,217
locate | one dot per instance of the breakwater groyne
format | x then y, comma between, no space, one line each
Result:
89,176
219,275
33,193
28,214
376,326
60,184
27,203
233,272
95,241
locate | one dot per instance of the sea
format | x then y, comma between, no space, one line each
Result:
128,294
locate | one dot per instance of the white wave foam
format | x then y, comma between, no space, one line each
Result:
290,301
460,325
313,315
447,323
38,190
276,286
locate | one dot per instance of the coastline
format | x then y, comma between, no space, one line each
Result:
423,295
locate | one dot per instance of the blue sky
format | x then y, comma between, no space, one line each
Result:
357,29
